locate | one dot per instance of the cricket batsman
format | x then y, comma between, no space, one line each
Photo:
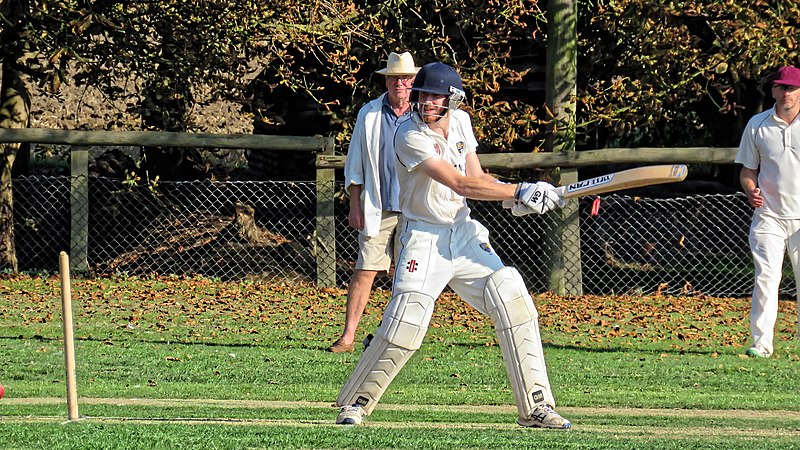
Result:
441,245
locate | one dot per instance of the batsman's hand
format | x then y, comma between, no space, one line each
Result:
535,198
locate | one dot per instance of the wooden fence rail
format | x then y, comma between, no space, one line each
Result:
644,155
164,139
326,164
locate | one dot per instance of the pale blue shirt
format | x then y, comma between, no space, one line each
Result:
390,187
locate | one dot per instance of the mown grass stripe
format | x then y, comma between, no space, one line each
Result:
477,409
628,431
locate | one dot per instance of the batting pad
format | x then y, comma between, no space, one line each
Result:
516,321
402,329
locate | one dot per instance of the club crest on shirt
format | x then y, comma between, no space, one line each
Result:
438,148
486,247
460,146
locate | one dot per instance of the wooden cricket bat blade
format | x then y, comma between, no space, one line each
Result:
626,179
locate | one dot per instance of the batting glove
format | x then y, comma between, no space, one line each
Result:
553,193
535,198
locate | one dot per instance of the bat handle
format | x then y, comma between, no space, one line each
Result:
561,190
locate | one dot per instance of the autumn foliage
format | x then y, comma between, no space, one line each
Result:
191,309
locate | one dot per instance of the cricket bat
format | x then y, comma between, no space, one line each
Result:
626,179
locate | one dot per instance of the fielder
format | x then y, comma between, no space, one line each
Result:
440,245
770,156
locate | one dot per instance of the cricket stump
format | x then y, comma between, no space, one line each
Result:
69,340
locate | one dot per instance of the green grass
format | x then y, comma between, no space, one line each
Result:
193,363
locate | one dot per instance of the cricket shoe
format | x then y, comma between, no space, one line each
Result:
351,415
758,351
544,416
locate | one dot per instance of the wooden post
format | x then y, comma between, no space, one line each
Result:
69,339
79,209
325,239
561,75
566,270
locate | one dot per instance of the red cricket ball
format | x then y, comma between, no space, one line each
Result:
2,391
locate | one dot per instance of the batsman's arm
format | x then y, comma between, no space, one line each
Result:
480,187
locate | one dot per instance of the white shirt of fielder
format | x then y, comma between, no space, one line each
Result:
772,146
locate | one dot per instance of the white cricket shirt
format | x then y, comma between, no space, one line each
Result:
421,197
772,147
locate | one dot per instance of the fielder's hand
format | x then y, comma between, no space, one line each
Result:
535,198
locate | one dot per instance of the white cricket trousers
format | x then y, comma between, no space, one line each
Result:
770,237
433,256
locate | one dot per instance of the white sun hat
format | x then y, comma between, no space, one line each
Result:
399,65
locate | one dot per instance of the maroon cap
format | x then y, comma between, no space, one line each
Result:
788,76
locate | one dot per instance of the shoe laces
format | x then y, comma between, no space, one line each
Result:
546,408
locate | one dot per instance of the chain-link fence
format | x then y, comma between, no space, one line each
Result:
266,230
226,230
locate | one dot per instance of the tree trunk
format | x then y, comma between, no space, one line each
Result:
560,92
14,110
